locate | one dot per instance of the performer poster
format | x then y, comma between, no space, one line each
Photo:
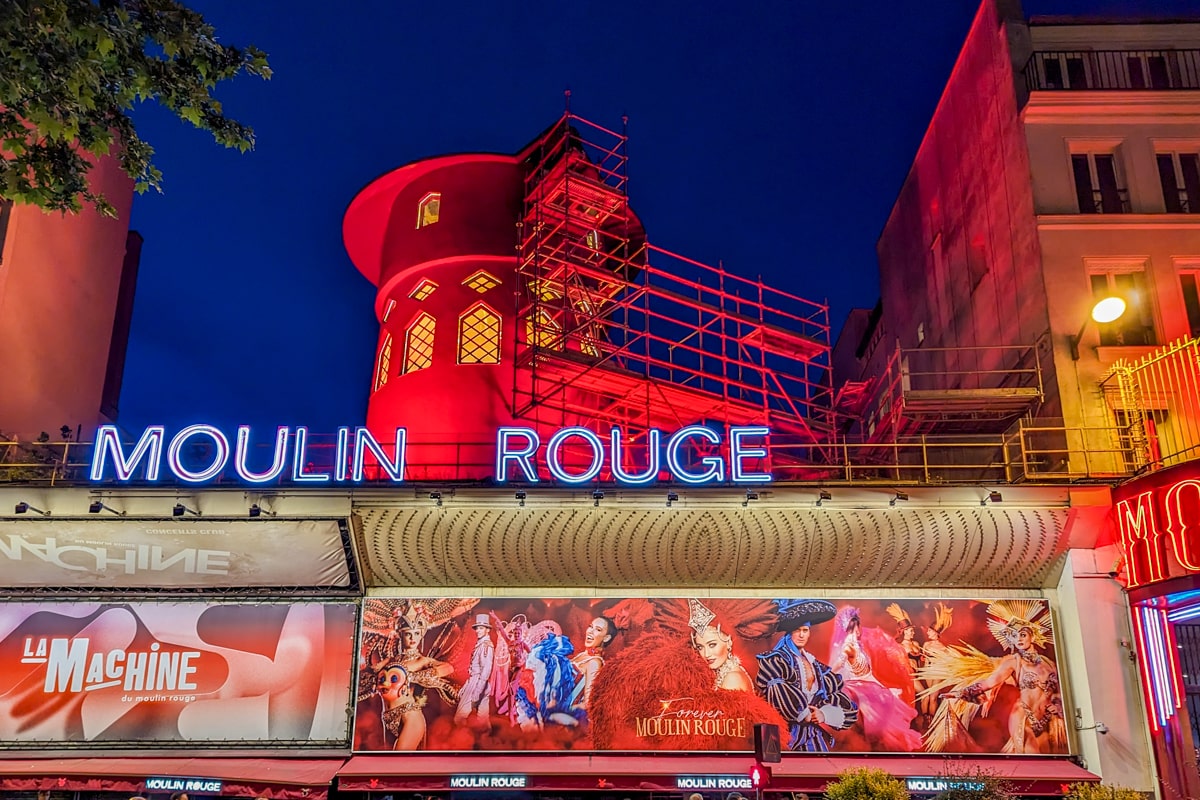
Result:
696,674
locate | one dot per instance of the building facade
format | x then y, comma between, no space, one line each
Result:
66,301
1054,173
616,506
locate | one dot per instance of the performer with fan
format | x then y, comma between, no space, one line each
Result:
886,718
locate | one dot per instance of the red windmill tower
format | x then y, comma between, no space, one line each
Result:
520,290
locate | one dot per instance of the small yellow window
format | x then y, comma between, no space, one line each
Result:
429,209
423,289
479,336
541,330
482,281
418,344
384,362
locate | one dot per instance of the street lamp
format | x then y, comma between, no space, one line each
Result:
1107,309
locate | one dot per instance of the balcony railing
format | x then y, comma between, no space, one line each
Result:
1107,202
1180,203
1129,70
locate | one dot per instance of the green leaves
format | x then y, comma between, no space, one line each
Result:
70,71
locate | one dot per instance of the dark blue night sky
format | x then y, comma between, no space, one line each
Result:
773,135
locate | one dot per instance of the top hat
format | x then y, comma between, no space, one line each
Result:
482,621
795,614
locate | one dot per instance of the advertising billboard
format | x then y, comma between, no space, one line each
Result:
120,673
697,674
172,554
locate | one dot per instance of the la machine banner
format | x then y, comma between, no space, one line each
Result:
696,674
120,673
172,554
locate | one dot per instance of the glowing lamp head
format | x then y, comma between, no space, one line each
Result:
1108,309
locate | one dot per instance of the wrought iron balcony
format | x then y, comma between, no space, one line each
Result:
1129,70
1106,202
1178,202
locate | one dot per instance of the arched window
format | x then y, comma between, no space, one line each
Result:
479,336
429,209
541,330
383,363
418,343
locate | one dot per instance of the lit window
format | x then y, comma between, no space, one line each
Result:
542,331
429,209
384,362
422,290
593,239
1136,325
482,281
545,290
479,336
418,343
588,346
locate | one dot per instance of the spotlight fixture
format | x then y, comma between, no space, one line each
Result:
98,505
257,511
597,496
436,497
180,509
898,497
751,496
992,497
823,496
671,498
25,508
520,495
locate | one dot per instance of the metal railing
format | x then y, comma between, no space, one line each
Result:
1107,202
1038,450
1156,400
1129,70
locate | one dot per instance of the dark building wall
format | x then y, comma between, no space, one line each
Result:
959,257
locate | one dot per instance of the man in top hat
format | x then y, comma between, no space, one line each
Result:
805,691
475,698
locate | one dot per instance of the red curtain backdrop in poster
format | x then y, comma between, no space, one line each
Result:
696,674
172,672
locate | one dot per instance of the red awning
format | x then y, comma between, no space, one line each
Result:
273,778
1044,775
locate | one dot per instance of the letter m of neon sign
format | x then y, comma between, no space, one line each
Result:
1141,540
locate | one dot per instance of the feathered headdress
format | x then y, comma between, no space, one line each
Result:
900,615
943,617
1007,618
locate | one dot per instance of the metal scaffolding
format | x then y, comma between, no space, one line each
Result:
615,331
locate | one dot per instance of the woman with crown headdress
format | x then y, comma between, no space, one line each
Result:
1035,721
715,646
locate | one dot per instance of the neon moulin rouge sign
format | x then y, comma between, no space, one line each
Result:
1158,520
695,454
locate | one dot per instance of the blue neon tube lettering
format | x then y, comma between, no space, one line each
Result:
364,441
242,450
739,451
300,459
341,464
522,458
108,440
555,444
716,466
212,470
653,458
